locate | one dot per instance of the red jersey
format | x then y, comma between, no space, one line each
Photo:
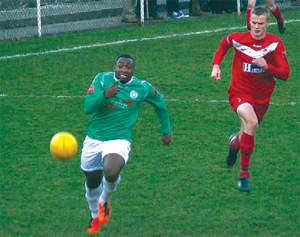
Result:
247,77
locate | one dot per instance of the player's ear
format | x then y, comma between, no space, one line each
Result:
268,23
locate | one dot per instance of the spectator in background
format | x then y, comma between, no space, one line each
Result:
173,10
152,9
295,2
222,6
128,11
273,8
199,7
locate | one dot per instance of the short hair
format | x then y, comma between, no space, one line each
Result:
261,10
126,56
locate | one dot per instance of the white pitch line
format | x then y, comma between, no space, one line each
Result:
166,99
130,41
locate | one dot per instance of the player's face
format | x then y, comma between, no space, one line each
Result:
124,69
259,26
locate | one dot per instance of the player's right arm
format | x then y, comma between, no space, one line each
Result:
95,96
218,57
216,73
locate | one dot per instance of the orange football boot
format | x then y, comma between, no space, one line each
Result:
104,213
93,226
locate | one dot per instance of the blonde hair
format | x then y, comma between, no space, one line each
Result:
261,10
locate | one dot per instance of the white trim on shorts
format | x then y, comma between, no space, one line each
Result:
93,152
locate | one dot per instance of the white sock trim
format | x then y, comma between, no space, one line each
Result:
108,189
92,196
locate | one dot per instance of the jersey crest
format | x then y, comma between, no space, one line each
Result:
283,53
133,94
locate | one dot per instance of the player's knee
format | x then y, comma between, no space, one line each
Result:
271,8
91,183
111,176
93,179
252,124
251,4
112,167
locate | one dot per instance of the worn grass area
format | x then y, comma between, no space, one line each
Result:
181,190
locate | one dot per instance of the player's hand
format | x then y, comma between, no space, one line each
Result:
216,73
262,63
166,138
112,90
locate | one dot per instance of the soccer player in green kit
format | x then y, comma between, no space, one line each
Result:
113,100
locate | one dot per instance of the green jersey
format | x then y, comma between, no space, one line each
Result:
113,118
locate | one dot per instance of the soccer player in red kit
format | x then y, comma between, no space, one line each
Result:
259,57
272,8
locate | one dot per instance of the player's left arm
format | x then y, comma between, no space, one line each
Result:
154,98
280,69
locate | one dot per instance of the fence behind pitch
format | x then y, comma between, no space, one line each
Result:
19,19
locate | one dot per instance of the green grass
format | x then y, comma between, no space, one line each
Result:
181,190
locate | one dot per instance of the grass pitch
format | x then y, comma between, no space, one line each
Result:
181,190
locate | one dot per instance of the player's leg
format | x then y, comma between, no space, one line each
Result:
92,167
235,100
250,6
234,147
93,189
115,156
113,164
250,125
277,13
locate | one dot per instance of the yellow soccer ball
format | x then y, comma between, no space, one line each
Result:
63,146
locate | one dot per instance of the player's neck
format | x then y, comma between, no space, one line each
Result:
258,37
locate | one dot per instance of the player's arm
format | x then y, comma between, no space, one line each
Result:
154,98
281,69
216,72
219,56
95,97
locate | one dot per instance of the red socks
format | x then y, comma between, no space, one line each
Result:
248,18
236,142
247,146
277,14
245,173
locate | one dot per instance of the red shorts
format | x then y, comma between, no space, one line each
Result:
260,107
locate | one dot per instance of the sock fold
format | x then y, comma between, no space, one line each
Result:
245,173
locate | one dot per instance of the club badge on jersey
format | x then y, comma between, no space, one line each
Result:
283,53
133,94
